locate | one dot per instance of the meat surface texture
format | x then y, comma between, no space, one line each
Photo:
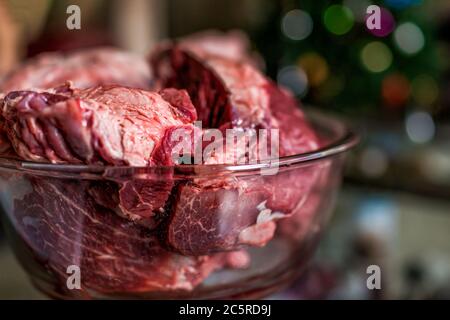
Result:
225,214
111,125
207,219
224,91
85,68
232,45
64,226
101,125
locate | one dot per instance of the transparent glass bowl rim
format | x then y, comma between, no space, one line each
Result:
343,140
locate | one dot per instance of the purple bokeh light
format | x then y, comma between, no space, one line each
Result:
387,24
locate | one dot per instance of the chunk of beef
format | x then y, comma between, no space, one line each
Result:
296,135
64,226
207,219
85,68
229,213
232,45
229,93
225,92
110,125
211,216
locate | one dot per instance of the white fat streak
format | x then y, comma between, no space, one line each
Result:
266,214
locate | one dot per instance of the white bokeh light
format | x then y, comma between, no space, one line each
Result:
294,78
409,38
297,25
420,127
373,162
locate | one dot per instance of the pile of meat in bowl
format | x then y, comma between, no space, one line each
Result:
98,205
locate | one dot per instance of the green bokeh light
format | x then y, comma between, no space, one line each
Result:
376,57
338,19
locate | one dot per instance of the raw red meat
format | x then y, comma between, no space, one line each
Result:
207,219
229,93
64,226
224,214
296,135
232,45
225,92
85,68
184,226
110,125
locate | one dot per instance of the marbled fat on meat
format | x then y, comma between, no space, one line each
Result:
226,214
84,69
64,226
101,125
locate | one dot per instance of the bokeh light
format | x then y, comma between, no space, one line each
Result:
435,165
315,66
425,90
409,38
387,24
373,162
378,216
293,78
420,127
338,19
395,90
297,25
376,56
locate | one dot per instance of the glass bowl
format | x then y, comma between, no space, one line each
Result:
224,231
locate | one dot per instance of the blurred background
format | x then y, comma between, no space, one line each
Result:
392,84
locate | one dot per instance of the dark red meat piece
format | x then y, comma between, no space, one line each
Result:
224,91
111,125
64,226
211,219
232,45
85,68
208,216
296,135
